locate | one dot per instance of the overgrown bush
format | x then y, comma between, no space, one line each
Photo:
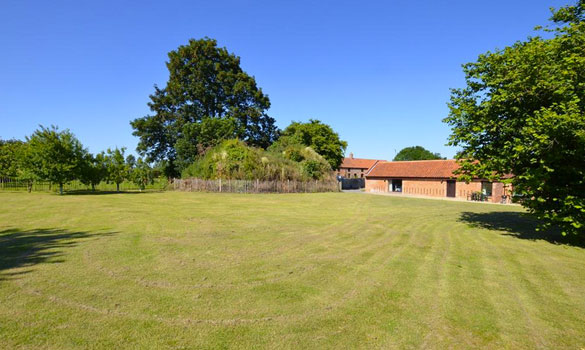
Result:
233,159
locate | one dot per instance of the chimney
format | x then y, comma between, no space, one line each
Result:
351,155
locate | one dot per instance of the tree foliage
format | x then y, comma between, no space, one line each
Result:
416,153
523,112
205,82
141,173
10,151
94,170
118,168
317,135
199,137
53,155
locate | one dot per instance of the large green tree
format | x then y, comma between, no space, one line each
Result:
416,153
53,155
523,112
205,81
317,135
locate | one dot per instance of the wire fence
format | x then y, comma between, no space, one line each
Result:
255,186
12,184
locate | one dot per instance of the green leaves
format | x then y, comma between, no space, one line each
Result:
117,168
196,138
94,169
523,112
232,159
317,135
205,83
416,153
53,155
10,152
141,173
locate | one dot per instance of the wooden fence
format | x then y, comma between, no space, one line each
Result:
255,186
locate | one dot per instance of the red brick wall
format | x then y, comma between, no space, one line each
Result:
376,185
438,188
463,190
498,190
435,188
351,173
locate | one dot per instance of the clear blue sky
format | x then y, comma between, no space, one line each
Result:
378,72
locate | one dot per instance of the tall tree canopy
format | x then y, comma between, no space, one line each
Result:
523,112
53,155
317,135
205,81
416,153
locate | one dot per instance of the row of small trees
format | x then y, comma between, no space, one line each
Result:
57,156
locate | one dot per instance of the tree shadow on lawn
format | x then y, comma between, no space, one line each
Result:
98,193
26,248
519,225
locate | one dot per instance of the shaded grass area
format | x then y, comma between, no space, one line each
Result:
520,225
26,248
181,270
99,193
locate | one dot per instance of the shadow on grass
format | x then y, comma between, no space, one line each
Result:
98,193
519,225
26,248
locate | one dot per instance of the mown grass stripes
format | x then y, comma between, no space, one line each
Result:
333,270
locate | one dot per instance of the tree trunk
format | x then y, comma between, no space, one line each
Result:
29,186
60,188
117,187
93,187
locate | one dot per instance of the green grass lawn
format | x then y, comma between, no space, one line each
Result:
206,271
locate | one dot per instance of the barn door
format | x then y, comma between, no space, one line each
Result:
451,188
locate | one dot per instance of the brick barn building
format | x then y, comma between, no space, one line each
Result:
352,168
430,178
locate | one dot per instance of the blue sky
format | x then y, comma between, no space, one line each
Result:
378,72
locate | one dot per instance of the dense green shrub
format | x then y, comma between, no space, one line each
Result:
233,159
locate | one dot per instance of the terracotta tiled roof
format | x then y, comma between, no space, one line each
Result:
359,163
415,169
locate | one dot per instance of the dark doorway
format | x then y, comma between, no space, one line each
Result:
451,188
396,186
